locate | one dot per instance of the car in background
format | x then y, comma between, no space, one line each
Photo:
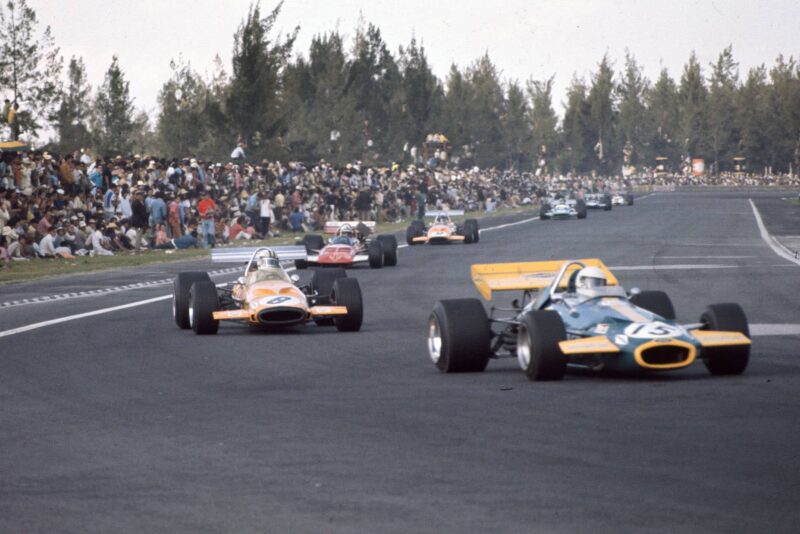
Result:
352,244
443,229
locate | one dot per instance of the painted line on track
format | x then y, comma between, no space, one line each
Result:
773,243
775,329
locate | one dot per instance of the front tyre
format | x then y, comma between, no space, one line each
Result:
726,360
459,336
204,301
181,287
538,352
471,234
375,254
347,292
389,243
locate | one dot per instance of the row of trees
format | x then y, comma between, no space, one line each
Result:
357,100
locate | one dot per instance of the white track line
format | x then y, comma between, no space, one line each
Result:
773,243
775,329
677,266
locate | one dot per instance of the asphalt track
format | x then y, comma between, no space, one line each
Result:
120,422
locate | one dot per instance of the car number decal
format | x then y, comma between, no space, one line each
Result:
653,330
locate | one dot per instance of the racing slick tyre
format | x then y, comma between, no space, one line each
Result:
657,302
726,360
538,352
459,336
347,292
203,302
389,243
580,207
180,295
543,213
375,253
629,200
322,281
607,206
471,234
415,229
313,242
300,264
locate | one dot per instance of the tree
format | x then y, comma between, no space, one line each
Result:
632,111
515,122
784,103
662,120
484,111
602,119
114,110
71,121
753,118
421,93
182,123
722,135
544,135
455,120
254,102
31,66
577,154
692,96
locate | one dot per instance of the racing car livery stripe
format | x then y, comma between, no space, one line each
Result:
715,338
588,345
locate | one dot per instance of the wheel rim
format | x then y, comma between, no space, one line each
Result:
434,340
191,313
523,347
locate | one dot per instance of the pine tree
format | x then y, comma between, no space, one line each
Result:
71,121
516,125
602,118
693,120
544,123
114,113
753,118
722,135
254,103
31,67
421,93
455,120
484,112
576,154
182,124
662,121
632,111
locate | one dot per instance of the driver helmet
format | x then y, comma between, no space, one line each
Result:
441,218
590,278
267,259
347,231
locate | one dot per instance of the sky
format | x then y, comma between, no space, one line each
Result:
526,39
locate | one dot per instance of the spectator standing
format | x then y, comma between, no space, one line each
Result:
174,217
266,214
138,219
158,211
207,209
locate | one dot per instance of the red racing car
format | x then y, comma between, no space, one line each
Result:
350,245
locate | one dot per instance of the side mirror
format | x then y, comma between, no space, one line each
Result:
515,303
295,278
240,280
634,291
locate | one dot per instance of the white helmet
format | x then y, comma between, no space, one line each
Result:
346,231
267,259
590,278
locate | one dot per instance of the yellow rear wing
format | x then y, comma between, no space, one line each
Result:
532,275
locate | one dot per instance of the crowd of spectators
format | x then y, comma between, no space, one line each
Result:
78,204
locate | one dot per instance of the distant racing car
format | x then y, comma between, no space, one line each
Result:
350,245
622,199
574,314
598,201
562,208
266,295
443,230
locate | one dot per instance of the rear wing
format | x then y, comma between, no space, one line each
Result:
449,213
243,254
331,227
533,275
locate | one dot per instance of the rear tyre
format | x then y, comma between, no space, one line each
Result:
375,253
313,243
538,352
204,301
543,213
726,360
389,243
471,231
300,264
607,206
347,292
459,336
657,302
322,281
629,199
181,288
580,207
